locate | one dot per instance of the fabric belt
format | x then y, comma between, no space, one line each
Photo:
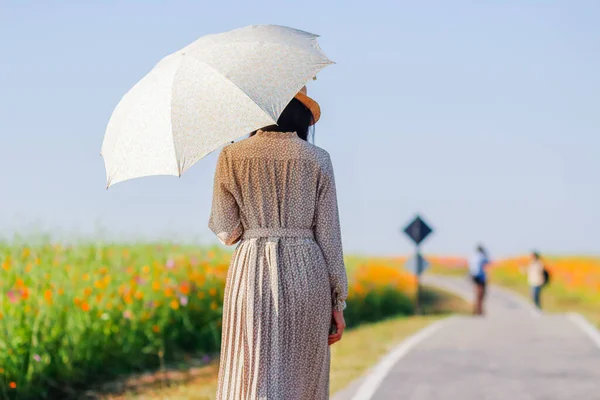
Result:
279,233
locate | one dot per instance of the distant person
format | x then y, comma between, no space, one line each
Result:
477,267
537,277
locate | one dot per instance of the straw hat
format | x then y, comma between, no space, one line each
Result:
312,105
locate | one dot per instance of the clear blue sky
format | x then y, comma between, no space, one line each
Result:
482,115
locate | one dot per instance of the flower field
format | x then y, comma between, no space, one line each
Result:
574,283
576,274
378,289
73,315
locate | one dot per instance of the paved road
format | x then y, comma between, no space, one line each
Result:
514,353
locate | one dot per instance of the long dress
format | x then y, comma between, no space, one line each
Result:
275,194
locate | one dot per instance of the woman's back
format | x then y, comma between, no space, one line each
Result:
275,178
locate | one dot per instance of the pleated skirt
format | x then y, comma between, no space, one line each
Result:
276,318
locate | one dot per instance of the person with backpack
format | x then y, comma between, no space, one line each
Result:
537,277
477,265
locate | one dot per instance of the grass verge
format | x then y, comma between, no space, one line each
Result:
364,346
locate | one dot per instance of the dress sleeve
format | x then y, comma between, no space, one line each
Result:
328,236
225,219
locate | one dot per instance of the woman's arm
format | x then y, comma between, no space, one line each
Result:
225,214
328,236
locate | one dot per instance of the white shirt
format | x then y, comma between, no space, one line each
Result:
535,273
477,264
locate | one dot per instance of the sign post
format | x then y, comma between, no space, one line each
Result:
417,230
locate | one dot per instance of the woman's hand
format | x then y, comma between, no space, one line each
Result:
338,318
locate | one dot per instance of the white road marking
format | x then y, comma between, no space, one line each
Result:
586,326
372,381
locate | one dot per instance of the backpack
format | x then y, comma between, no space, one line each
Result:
546,274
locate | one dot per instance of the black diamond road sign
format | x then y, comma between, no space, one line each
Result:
418,230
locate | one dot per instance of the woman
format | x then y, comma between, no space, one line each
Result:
536,277
275,194
477,266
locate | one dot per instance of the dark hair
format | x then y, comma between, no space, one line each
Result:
536,254
481,250
296,117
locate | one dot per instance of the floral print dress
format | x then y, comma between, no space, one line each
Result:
274,195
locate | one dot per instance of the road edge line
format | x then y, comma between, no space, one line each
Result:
373,380
586,326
